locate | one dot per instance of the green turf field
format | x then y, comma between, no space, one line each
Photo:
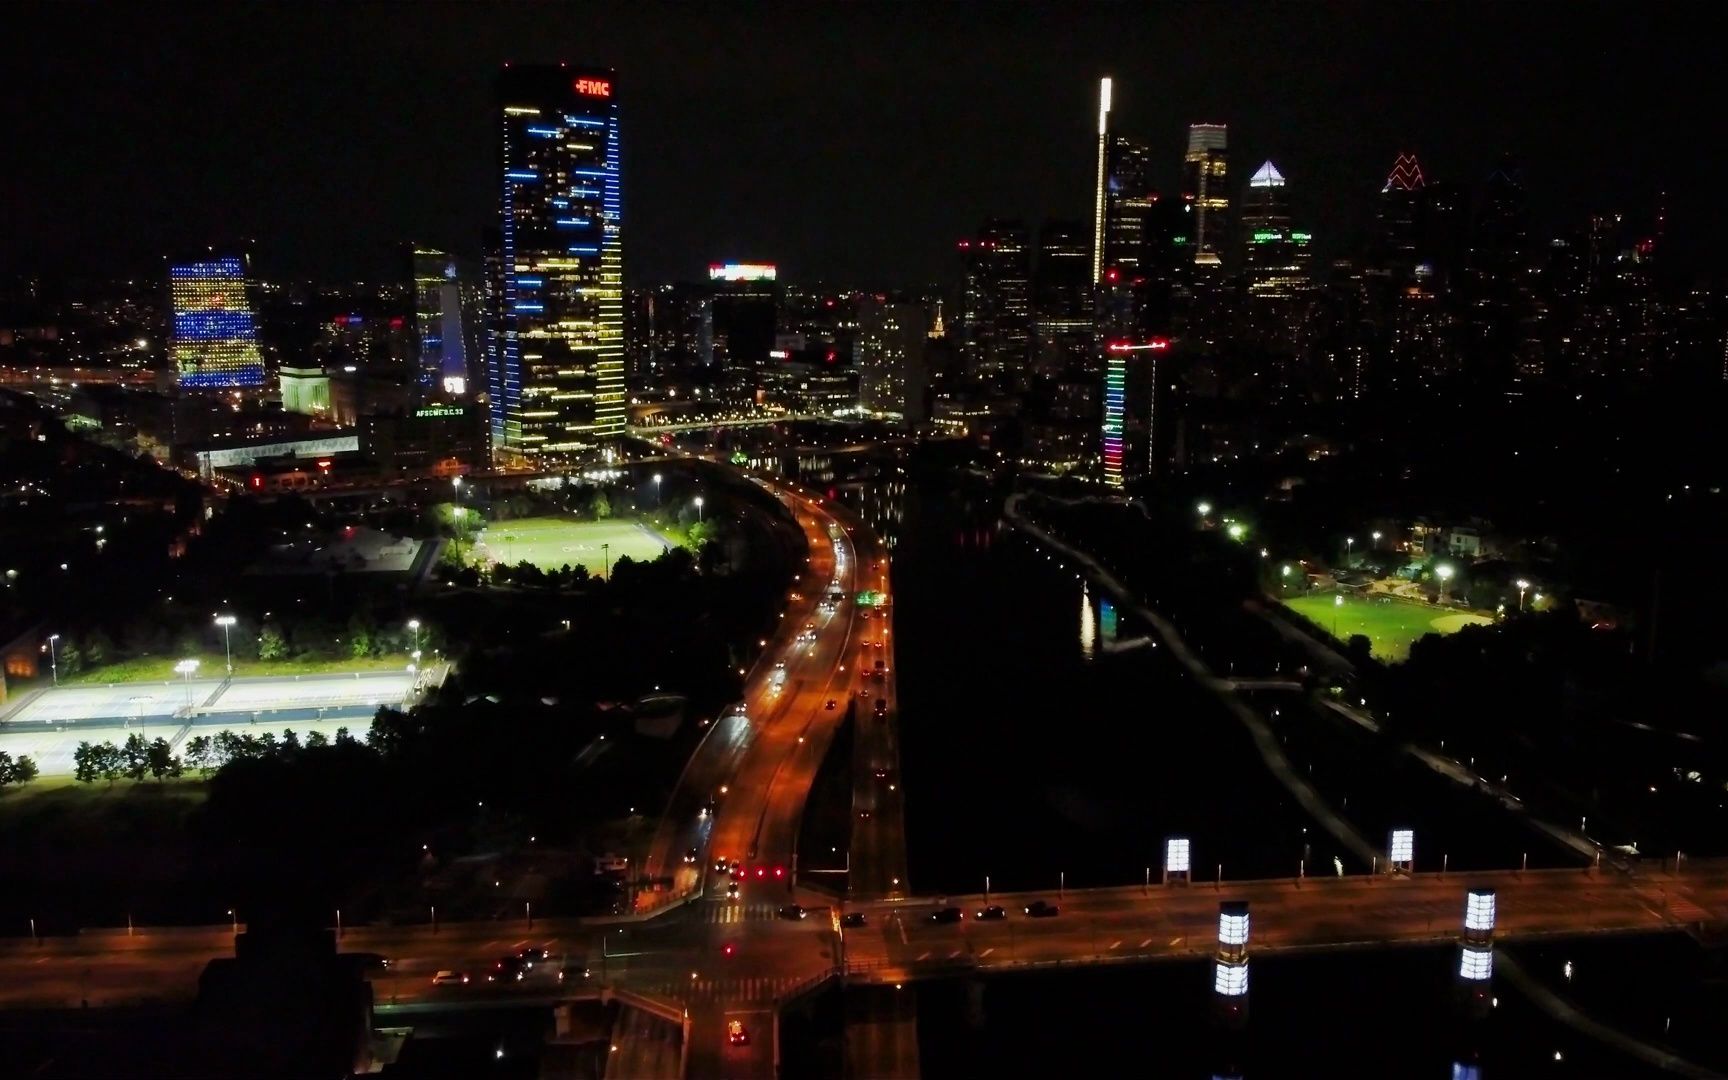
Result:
550,543
1391,625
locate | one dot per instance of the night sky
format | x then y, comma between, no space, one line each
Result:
850,144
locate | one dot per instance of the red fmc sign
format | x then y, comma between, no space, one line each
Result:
594,87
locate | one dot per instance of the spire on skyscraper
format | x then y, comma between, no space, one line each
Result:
1267,176
1406,174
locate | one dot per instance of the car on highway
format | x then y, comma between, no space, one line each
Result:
532,955
830,705
852,918
947,915
793,911
1040,909
864,693
992,913
881,668
721,865
507,969
732,890
366,961
450,978
737,1034
881,706
690,855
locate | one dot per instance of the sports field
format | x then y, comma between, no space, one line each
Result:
1391,625
551,543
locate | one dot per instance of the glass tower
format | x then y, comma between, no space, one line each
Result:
215,338
441,327
555,370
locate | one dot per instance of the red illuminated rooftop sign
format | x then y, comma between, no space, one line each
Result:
594,87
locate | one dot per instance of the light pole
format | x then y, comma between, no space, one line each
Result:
1349,542
1444,573
656,489
1375,536
1522,585
54,657
698,509
1284,578
186,668
1203,509
414,629
606,560
1337,602
226,622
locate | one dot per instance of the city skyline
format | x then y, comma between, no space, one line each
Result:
759,178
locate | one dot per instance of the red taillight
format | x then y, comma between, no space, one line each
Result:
779,871
761,872
728,950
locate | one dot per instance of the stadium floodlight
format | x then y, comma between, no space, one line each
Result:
1479,910
1402,849
1475,964
226,622
1176,856
186,668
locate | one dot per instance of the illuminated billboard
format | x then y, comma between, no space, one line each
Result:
741,272
1176,855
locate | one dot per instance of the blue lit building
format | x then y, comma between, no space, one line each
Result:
555,355
442,326
214,340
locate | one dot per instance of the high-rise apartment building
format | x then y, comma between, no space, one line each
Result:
1129,200
213,341
892,337
995,302
442,327
1206,191
555,371
1062,301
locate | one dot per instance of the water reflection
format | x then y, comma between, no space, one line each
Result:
1088,624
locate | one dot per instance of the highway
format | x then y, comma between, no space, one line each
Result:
681,957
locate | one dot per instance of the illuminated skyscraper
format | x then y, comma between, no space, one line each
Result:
555,364
1129,201
441,327
1062,301
1206,190
1399,219
214,342
1275,254
996,303
1101,191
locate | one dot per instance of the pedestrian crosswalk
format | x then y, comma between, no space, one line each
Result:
734,911
751,988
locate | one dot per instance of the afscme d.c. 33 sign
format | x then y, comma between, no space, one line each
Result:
594,87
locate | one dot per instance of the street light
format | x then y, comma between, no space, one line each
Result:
54,657
226,622
656,489
186,668
698,509
1204,509
1444,572
1376,535
1284,576
1349,542
414,628
1522,585
1337,602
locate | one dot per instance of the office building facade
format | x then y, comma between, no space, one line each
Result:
555,365
442,327
214,337
1206,191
